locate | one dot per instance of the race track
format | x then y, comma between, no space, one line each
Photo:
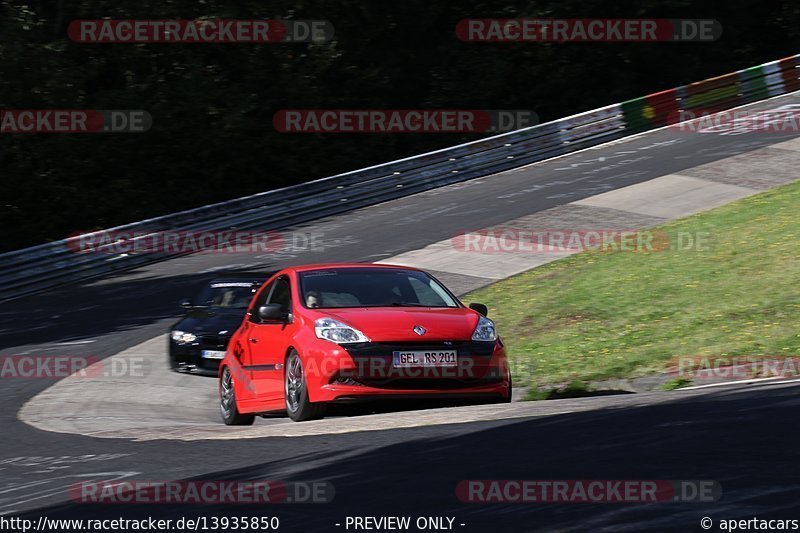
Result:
165,428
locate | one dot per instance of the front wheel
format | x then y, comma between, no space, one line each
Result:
227,402
298,407
510,391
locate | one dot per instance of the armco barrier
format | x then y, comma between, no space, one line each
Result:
52,264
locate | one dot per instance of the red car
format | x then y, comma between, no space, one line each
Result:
320,334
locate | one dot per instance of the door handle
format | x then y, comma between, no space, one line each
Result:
253,340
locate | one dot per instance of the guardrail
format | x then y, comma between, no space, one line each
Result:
56,263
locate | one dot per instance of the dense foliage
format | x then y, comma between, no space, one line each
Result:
212,105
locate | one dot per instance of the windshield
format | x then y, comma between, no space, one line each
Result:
372,287
227,295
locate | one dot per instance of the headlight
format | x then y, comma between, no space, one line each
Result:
485,330
182,337
338,332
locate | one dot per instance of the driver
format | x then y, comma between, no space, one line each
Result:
313,300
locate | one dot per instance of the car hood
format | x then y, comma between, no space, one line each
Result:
211,321
383,324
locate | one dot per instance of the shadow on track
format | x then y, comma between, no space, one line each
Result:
743,439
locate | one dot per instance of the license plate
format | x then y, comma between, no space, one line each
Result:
425,358
212,354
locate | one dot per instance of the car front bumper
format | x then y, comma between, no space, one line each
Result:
365,372
188,357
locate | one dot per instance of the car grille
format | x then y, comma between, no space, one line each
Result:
214,342
374,366
377,349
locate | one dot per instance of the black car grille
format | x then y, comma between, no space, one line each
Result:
373,366
214,342
377,349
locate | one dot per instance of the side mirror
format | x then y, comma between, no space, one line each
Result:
272,313
482,309
185,304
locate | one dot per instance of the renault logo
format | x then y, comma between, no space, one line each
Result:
419,330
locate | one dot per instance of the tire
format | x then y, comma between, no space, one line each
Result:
507,399
510,391
227,402
295,389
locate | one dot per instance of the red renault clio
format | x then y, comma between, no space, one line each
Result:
321,334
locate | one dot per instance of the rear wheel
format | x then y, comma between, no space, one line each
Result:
298,407
227,402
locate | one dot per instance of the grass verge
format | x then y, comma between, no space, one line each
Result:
601,315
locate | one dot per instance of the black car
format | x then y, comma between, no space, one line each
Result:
197,342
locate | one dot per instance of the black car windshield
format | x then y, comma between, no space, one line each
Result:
226,295
372,287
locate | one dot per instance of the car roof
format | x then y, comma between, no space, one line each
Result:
254,277
324,266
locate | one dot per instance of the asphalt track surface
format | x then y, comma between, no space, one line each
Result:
739,436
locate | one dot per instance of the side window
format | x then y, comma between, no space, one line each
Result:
281,294
260,300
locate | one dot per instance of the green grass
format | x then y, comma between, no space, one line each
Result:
575,389
676,383
599,315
